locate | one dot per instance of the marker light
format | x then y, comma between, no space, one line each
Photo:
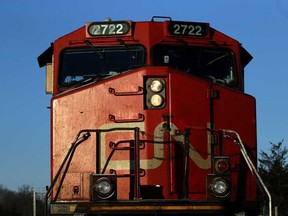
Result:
221,166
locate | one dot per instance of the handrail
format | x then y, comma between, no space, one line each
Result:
250,164
68,157
80,139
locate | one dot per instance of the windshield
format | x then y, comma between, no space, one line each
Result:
211,63
82,65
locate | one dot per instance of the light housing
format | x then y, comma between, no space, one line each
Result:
155,93
103,187
218,183
222,165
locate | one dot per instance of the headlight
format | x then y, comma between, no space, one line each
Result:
155,93
103,187
156,100
156,86
220,187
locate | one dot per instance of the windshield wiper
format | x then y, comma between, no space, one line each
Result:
126,47
96,51
96,77
218,58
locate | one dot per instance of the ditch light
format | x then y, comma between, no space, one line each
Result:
103,187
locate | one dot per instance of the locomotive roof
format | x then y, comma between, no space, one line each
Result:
208,33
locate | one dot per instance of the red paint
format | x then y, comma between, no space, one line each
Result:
192,103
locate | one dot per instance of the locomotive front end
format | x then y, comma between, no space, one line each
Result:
145,119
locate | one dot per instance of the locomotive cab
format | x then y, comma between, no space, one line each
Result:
156,108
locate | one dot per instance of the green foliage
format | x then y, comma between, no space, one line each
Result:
273,169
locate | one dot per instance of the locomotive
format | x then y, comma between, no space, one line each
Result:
150,118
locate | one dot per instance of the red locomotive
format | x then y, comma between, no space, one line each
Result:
150,118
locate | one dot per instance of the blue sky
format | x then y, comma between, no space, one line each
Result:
28,27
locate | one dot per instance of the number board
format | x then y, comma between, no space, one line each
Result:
108,28
188,28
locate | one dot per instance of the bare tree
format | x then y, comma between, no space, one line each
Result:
19,203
